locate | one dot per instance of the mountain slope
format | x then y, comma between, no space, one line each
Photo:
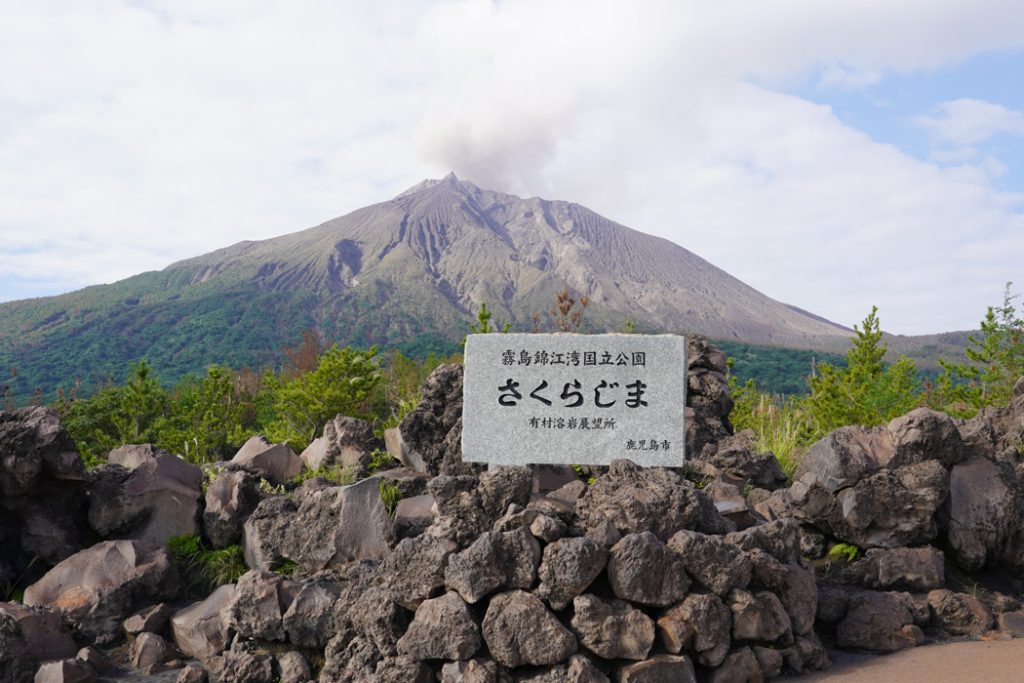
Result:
412,268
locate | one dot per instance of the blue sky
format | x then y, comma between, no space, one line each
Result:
833,155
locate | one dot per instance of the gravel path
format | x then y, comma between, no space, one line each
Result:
987,661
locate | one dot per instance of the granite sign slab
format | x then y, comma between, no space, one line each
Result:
574,399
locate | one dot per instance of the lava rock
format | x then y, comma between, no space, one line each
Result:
630,574
519,630
230,500
612,629
443,628
568,567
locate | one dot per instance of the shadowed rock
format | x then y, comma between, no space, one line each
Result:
98,587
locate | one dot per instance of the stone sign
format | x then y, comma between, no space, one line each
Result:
574,399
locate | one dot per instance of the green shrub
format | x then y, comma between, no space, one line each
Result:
336,474
846,552
390,495
203,570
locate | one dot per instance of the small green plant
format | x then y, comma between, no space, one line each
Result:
210,475
203,570
336,474
578,469
846,552
268,489
390,495
629,326
379,460
286,567
591,481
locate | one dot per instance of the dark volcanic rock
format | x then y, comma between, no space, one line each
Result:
230,500
612,629
714,563
434,428
879,622
339,524
157,500
443,628
631,499
568,566
984,511
911,569
701,625
959,614
346,442
266,532
519,630
466,506
415,569
494,561
630,572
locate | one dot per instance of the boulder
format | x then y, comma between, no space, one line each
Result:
740,666
266,533
339,524
294,668
795,586
520,631
759,616
42,632
715,564
701,625
192,673
578,669
959,614
148,652
230,500
631,499
34,446
983,512
156,499
770,661
443,628
257,609
878,622
16,664
779,538
612,629
415,569
471,671
910,569
924,434
659,669
65,671
568,567
493,561
432,430
349,657
844,457
201,630
414,515
98,587
399,450
630,574
97,661
152,619
346,442
734,461
276,463
377,618
884,509
309,620
466,506
42,494
246,667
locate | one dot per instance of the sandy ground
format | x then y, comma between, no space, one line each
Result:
987,661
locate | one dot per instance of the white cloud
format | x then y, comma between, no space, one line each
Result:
967,122
132,135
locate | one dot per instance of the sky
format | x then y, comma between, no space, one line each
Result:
834,155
